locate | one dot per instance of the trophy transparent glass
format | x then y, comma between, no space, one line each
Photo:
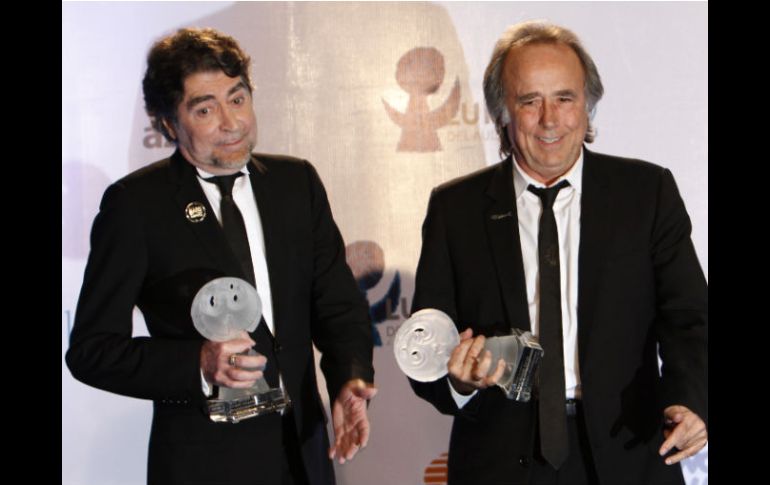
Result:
221,309
424,343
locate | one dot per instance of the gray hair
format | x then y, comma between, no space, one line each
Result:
527,33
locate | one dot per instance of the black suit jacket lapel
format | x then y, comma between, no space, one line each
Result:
502,225
208,232
595,230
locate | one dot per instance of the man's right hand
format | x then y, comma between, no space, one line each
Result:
468,369
216,366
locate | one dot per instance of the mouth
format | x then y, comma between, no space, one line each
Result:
233,143
549,140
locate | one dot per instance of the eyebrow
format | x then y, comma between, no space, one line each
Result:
530,96
200,99
527,97
566,92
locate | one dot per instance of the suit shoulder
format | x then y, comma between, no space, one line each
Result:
625,167
135,186
275,161
475,182
139,179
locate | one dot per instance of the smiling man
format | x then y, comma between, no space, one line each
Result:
216,209
590,252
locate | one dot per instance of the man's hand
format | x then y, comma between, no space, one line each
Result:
239,373
684,431
468,372
351,424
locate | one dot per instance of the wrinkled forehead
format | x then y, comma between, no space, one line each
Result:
553,60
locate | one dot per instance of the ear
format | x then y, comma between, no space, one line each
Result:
169,126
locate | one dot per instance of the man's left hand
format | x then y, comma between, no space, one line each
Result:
684,431
351,424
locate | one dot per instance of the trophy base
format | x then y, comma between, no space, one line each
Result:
236,410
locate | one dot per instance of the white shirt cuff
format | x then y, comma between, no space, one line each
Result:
460,399
205,387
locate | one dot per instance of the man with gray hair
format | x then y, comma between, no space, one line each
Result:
592,254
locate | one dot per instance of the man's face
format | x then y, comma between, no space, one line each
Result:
545,97
216,129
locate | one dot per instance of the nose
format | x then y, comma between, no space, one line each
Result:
549,117
228,121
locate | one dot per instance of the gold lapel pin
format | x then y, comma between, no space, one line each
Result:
195,212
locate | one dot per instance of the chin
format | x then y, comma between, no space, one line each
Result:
233,160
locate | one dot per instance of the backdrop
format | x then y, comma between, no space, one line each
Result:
327,89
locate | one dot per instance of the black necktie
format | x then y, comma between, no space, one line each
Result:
233,225
235,232
552,397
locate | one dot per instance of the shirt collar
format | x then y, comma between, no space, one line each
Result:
574,176
205,175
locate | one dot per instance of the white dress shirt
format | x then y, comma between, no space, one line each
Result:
243,195
566,210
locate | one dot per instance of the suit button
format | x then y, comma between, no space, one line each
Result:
277,347
524,461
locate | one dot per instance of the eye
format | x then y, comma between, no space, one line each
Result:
203,111
239,100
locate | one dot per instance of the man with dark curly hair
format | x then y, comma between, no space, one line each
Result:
216,209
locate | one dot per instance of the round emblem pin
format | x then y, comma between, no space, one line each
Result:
195,212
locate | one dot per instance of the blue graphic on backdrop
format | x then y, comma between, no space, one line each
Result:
367,261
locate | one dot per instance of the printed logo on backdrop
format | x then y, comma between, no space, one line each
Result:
436,472
367,262
155,139
420,72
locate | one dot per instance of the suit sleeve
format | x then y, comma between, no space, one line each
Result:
341,328
682,304
435,288
102,352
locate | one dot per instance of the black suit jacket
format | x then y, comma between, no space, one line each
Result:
145,252
640,286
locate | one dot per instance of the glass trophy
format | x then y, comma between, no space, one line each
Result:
424,343
221,309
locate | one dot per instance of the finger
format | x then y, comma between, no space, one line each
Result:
492,380
250,362
364,435
466,334
352,450
685,453
457,358
354,441
472,355
674,438
243,378
477,347
244,335
482,366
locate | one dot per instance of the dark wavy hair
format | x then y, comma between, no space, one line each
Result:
175,57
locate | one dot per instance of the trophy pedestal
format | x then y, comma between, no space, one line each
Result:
249,406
